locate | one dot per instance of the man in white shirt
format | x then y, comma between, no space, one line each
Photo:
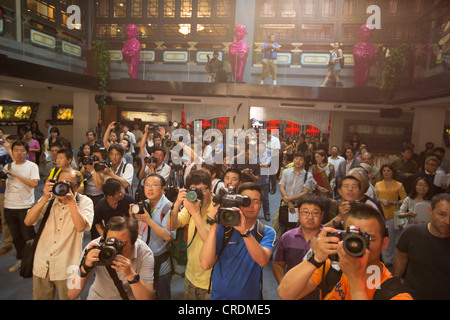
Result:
118,168
131,137
23,178
273,147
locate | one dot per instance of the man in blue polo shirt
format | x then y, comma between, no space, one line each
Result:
269,61
295,243
153,230
238,265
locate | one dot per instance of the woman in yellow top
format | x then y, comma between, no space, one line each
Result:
390,194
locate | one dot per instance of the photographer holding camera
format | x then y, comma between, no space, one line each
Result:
358,275
115,203
239,252
116,168
153,213
154,164
123,265
21,177
197,205
60,243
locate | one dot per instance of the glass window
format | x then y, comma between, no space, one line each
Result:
147,30
177,30
288,9
393,7
212,30
137,9
349,7
317,31
350,31
308,8
120,9
169,8
204,9
269,9
153,8
329,8
281,31
102,8
186,9
223,8
110,30
42,9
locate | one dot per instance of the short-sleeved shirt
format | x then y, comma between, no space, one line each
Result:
294,183
194,271
268,54
18,195
236,276
60,244
341,290
142,263
103,212
427,276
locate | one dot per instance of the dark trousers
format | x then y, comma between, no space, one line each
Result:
265,204
19,231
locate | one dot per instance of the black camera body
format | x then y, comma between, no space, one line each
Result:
61,188
88,161
109,249
150,159
228,215
194,194
3,175
138,208
102,165
171,193
353,240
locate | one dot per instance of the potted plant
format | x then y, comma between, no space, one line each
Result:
102,59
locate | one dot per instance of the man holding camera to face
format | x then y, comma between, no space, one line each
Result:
197,205
356,273
60,243
123,265
237,247
153,214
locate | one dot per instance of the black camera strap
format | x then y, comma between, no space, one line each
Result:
117,282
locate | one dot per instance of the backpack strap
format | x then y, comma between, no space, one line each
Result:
389,289
329,280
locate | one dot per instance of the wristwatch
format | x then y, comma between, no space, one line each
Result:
246,234
210,221
135,279
311,259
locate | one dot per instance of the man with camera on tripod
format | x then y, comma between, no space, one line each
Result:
123,265
153,214
59,246
357,273
237,251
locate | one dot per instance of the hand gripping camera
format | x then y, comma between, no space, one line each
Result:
194,194
61,188
138,208
354,241
227,215
109,249
89,160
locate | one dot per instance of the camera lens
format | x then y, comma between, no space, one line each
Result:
191,196
354,245
228,217
107,255
61,189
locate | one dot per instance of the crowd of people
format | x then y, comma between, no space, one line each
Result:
206,215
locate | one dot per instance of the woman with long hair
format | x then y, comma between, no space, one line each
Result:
390,194
421,192
334,66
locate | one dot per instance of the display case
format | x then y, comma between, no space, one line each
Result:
14,113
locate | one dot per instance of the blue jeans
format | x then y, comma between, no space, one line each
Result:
162,286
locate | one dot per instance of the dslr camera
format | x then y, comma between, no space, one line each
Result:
138,208
88,161
354,241
194,194
102,165
150,159
227,215
109,249
3,175
61,188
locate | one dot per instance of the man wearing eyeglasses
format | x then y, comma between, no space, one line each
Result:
115,203
153,231
60,243
238,263
295,243
194,215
